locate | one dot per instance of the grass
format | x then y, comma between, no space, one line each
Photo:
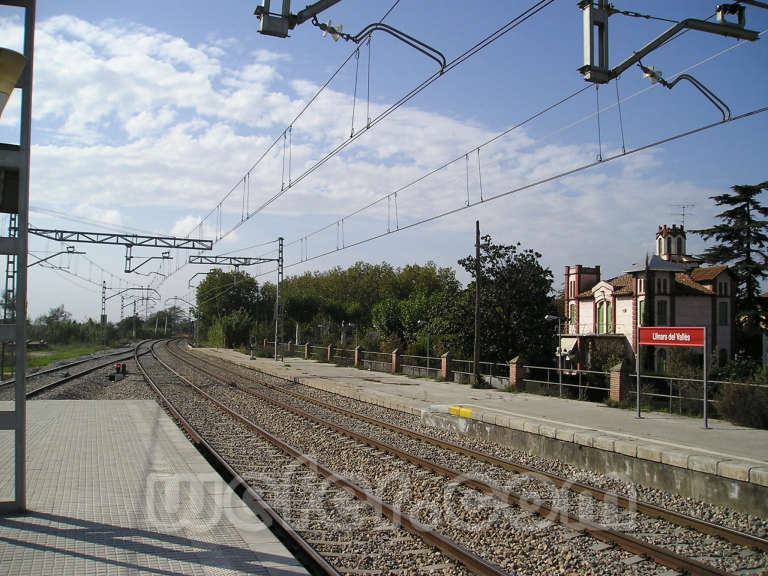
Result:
41,358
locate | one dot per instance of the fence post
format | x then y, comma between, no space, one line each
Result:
396,361
516,374
358,356
290,348
620,382
306,351
446,370
265,346
331,350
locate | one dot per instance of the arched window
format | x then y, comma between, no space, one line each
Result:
604,318
679,245
669,245
660,246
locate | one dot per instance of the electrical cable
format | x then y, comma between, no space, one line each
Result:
304,238
539,182
463,57
112,228
299,115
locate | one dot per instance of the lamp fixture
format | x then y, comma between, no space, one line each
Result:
11,66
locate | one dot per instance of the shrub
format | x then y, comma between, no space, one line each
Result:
744,405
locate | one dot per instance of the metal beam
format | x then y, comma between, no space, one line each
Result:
724,29
273,24
124,239
596,66
228,260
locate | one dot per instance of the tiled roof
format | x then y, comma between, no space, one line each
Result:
656,264
687,285
707,274
622,286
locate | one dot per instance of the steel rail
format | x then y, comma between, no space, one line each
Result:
265,510
659,555
471,561
68,365
646,508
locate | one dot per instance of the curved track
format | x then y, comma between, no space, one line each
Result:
363,542
288,388
721,555
39,382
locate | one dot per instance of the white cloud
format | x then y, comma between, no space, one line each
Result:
132,123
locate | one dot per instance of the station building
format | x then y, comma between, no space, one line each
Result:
669,288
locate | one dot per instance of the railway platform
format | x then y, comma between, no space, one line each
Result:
725,464
114,487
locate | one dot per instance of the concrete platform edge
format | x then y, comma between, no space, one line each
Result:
735,483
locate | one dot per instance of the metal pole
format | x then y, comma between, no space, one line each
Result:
560,357
704,374
20,408
103,312
476,351
637,366
277,291
427,350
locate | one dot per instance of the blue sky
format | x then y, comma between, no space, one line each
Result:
147,114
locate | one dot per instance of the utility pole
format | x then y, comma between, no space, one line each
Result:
278,332
103,312
476,353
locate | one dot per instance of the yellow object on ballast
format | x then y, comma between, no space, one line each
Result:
460,411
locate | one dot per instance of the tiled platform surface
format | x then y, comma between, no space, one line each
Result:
114,487
725,450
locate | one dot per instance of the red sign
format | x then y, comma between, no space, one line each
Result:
687,336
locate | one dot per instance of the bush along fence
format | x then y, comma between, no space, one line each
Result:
742,403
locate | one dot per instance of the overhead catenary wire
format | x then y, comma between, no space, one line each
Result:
305,237
536,183
534,9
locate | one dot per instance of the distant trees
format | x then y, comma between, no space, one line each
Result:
515,296
228,305
742,243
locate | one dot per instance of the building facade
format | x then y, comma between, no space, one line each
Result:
667,289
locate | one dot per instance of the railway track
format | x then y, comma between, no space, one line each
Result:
44,380
729,549
290,389
344,528
700,553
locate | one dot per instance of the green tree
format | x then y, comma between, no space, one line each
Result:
229,300
514,298
742,238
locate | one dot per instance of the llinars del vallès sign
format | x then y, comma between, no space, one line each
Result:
683,336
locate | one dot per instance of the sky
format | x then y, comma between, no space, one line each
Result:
177,118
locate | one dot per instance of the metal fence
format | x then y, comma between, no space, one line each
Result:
376,361
657,392
421,366
550,380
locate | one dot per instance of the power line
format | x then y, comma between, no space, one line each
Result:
295,119
65,216
457,61
534,184
304,238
